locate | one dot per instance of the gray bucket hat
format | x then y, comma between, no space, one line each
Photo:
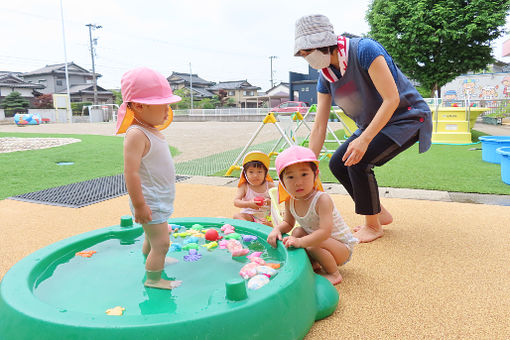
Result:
313,31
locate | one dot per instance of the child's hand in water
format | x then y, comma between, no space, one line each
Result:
274,235
143,214
291,241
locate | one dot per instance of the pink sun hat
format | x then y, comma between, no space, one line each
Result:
145,86
294,155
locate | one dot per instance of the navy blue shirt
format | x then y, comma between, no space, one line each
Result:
368,50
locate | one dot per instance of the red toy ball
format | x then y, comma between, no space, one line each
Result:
212,235
259,200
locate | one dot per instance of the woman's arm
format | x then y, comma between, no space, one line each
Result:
318,134
385,84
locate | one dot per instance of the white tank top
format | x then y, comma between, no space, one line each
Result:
310,222
157,176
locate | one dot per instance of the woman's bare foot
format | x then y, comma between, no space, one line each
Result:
368,234
334,278
384,217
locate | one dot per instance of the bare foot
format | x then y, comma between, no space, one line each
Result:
334,278
384,217
162,284
316,267
368,234
170,260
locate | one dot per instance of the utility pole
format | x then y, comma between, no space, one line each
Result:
191,87
271,58
92,52
68,100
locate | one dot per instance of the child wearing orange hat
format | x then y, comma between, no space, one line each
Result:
253,189
148,166
322,232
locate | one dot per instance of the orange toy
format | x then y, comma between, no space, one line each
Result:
87,253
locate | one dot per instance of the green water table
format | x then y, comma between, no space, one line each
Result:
54,294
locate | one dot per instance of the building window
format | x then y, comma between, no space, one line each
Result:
59,82
302,89
231,93
307,89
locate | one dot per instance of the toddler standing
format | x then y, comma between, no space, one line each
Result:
322,231
148,166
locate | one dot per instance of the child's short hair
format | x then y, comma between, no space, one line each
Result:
255,164
313,166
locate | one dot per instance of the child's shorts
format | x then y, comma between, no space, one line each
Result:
157,215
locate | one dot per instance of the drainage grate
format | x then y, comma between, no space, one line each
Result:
81,194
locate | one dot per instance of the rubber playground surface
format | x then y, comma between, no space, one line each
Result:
440,271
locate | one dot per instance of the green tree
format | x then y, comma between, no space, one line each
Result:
185,102
117,95
434,41
209,103
14,103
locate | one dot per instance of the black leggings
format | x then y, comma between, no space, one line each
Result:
359,180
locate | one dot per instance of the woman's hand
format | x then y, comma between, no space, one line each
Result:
274,235
143,215
291,241
355,151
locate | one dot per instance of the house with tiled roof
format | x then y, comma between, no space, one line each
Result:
80,80
12,82
179,81
241,92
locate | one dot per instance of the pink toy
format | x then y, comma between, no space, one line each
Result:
223,244
258,261
259,200
212,235
254,254
236,248
227,229
248,270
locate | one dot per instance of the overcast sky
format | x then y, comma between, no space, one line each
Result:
222,39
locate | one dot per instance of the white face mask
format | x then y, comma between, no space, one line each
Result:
318,60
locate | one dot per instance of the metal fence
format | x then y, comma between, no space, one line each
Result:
223,112
494,105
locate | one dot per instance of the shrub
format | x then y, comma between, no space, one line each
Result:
77,107
14,103
44,101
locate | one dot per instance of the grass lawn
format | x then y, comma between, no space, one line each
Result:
442,167
33,170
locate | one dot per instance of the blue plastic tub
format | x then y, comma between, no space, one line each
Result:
489,146
504,153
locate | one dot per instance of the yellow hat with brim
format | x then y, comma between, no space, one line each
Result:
251,157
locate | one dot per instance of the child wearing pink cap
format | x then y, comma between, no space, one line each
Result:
148,166
322,232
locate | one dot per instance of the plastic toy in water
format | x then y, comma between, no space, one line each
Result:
197,227
212,235
115,311
210,245
189,246
249,238
192,239
193,255
257,282
227,229
183,234
236,248
87,253
223,244
22,119
259,200
233,236
35,303
175,247
248,270
254,254
266,271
